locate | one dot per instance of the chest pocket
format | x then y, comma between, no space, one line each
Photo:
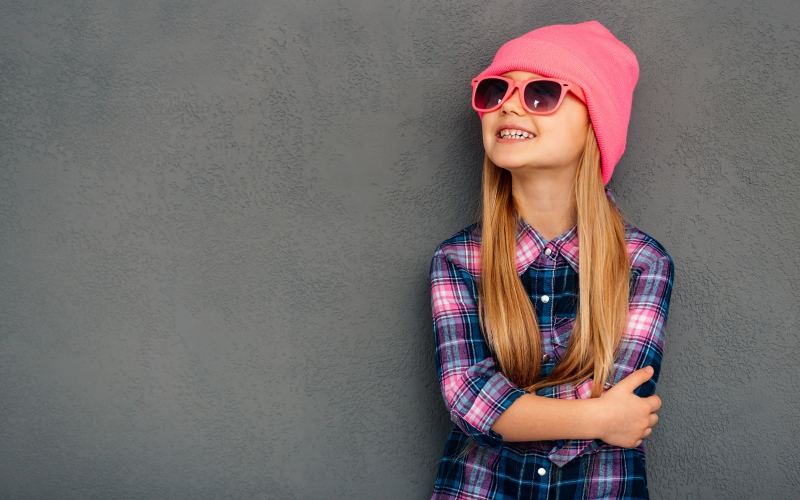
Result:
562,330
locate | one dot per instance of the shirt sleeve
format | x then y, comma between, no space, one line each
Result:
641,346
474,390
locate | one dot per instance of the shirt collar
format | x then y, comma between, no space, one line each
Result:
530,243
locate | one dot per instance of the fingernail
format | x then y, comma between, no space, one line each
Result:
649,369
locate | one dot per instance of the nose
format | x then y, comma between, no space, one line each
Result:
513,103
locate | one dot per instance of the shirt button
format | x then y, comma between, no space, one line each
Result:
541,471
545,358
545,299
547,251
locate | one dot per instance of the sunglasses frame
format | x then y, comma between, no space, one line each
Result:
521,84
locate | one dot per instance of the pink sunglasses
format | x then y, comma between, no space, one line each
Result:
541,96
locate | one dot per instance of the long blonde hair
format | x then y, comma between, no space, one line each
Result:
506,311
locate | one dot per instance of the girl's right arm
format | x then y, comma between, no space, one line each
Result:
474,390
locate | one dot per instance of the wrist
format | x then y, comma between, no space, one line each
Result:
595,419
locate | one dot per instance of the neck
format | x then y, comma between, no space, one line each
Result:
546,199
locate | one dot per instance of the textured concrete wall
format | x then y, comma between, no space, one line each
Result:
216,220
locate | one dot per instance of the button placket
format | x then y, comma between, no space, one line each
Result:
546,298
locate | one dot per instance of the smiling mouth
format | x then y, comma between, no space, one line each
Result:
511,133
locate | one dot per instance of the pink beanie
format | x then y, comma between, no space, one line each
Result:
589,56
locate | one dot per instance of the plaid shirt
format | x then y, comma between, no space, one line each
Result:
476,393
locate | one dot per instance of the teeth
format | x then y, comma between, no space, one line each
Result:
511,133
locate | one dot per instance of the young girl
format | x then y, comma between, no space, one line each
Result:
549,315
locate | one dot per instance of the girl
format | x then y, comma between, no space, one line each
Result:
549,316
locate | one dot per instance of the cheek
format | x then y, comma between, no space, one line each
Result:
486,132
573,146
579,139
575,123
575,134
486,125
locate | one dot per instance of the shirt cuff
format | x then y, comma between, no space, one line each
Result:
491,394
565,451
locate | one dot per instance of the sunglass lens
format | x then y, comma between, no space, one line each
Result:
490,93
542,95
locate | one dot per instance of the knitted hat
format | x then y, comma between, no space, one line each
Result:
589,56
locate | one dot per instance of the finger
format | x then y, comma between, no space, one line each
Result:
638,442
635,379
655,402
653,419
647,432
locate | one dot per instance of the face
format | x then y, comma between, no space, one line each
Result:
553,141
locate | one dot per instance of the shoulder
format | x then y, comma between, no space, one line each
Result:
462,250
646,254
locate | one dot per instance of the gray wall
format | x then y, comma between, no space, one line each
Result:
216,220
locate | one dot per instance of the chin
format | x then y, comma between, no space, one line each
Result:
510,166
510,162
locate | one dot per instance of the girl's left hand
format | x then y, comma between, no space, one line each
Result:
625,418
